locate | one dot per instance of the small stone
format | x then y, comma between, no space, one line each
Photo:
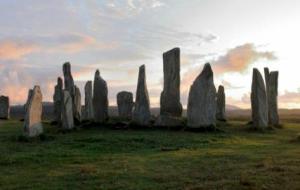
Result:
259,101
201,110
4,107
32,123
221,102
125,104
67,111
100,99
141,113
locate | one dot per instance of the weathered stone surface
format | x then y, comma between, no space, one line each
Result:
221,102
141,113
68,79
88,107
100,99
170,96
4,107
169,121
201,110
259,101
57,99
32,123
125,104
272,99
67,111
77,104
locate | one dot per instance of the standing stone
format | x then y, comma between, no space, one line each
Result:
70,86
68,79
201,109
170,96
100,99
77,104
141,113
32,124
88,107
57,99
67,111
4,107
272,99
125,104
259,101
221,102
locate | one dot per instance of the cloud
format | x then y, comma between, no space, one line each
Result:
11,49
240,57
228,85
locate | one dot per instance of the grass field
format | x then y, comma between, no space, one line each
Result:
102,158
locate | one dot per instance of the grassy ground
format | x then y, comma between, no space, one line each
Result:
101,158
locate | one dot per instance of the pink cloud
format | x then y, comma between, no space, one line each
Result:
14,50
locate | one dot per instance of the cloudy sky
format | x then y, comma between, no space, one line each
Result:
117,36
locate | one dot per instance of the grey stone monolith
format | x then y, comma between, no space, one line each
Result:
221,103
88,100
272,99
100,99
170,96
68,79
57,99
67,111
77,104
4,107
259,103
201,110
125,104
141,114
33,118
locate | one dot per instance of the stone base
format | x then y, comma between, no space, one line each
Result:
169,121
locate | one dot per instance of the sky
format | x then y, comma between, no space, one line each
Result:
117,36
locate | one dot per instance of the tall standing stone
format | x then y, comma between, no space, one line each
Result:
259,101
4,107
201,110
125,104
32,123
100,99
68,79
57,99
170,97
88,99
67,111
272,98
141,113
221,103
77,104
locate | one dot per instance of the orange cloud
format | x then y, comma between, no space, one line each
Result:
238,58
13,50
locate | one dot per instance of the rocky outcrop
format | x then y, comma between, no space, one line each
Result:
141,113
100,99
201,110
32,123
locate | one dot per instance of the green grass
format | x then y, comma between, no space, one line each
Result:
101,158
